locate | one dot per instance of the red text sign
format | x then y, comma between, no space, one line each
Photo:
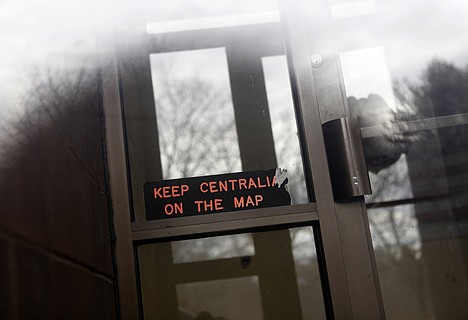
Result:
214,194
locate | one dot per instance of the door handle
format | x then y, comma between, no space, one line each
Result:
346,158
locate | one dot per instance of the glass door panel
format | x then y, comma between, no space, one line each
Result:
207,92
260,275
405,72
194,112
221,88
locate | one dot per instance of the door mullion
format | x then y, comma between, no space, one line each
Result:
309,119
353,278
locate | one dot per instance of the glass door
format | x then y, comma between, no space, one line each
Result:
210,92
404,66
401,68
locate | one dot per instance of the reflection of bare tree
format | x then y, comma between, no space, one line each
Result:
51,95
394,229
54,213
407,260
197,130
197,136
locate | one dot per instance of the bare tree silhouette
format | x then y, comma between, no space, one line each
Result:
422,165
197,131
54,199
197,136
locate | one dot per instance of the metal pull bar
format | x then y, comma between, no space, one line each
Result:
346,159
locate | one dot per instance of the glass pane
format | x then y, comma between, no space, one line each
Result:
238,245
194,112
206,91
405,71
307,273
283,122
245,276
237,298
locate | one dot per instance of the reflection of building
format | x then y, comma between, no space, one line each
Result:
239,96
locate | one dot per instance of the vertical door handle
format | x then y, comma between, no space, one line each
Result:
346,158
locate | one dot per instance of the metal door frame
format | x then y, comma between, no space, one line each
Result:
346,242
